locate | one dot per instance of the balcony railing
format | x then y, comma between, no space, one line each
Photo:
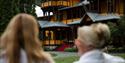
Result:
56,3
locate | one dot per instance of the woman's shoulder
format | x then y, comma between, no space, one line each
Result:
113,58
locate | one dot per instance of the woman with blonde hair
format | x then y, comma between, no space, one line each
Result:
20,42
89,42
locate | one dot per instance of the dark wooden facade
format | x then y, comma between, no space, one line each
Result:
67,11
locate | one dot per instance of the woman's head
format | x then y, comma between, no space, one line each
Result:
22,27
21,33
94,35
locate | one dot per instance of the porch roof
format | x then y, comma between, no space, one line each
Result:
42,23
47,24
77,22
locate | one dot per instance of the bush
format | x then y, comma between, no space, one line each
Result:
70,49
47,49
117,33
116,50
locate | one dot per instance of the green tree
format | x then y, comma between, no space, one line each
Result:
118,33
5,13
9,8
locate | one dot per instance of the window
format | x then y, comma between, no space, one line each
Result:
111,6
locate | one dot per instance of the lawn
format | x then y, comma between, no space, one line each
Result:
66,59
121,55
71,59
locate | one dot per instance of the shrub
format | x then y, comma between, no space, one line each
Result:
116,50
47,49
70,49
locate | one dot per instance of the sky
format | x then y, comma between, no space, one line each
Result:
39,12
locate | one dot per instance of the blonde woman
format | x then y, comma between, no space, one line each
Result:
89,42
20,42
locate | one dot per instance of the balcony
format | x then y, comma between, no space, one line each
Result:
56,4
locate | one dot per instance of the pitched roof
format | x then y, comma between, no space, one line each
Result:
75,22
85,2
100,17
47,24
42,23
65,8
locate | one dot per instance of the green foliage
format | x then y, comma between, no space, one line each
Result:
5,13
9,8
118,33
116,50
47,49
121,55
70,49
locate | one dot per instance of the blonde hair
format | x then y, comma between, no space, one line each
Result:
22,33
95,34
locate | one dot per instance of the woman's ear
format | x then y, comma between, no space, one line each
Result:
77,42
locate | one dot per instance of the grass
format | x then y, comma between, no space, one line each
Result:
121,55
71,59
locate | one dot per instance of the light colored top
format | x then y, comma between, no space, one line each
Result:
96,56
23,58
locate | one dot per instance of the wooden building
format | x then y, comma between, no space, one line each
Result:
71,14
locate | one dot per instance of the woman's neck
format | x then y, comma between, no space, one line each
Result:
85,50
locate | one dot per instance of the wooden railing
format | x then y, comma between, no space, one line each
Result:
70,20
56,3
52,42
